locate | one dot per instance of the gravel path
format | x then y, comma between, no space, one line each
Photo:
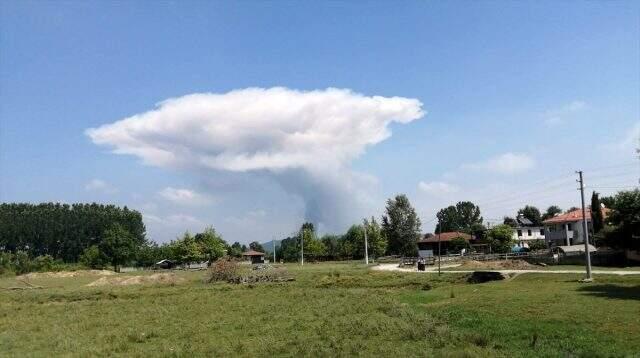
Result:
431,269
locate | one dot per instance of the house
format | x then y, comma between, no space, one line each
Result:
566,229
525,232
256,257
428,246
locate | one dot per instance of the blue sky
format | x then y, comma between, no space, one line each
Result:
517,96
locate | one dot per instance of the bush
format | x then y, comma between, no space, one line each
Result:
92,257
6,262
537,245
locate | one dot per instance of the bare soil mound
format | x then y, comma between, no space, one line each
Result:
158,278
63,274
497,265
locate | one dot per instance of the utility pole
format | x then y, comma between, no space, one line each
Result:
302,247
439,248
273,241
366,244
585,227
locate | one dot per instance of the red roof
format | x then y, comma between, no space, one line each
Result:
574,215
446,236
252,253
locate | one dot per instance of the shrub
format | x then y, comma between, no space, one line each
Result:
92,257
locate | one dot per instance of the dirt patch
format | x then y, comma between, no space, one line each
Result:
497,265
158,278
64,274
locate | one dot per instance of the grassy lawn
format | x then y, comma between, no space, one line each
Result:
331,309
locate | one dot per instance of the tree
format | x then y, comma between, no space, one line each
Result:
256,246
187,249
510,221
625,219
500,238
552,211
401,226
461,217
313,247
532,213
118,245
332,246
375,238
212,246
458,243
596,213
235,250
93,258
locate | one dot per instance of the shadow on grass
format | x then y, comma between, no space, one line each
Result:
613,291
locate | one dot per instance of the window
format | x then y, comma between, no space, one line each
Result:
528,232
569,227
519,232
542,232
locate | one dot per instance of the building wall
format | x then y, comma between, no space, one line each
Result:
557,234
522,239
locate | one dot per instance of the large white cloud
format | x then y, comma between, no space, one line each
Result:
311,136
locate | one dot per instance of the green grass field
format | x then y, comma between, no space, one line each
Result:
330,310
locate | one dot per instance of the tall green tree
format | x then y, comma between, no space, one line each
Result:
597,219
376,238
401,226
212,246
461,217
118,245
532,213
625,220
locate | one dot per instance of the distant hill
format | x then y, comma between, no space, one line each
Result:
268,246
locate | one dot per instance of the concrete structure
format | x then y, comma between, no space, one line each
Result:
526,232
566,229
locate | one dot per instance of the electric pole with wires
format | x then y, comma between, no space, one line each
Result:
585,228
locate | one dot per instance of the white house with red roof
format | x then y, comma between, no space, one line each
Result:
566,229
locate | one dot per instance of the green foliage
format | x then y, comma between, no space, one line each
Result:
235,250
532,213
61,230
597,218
187,249
552,211
256,246
458,243
401,226
510,221
535,245
376,238
461,217
118,245
332,245
500,238
93,258
212,246
625,219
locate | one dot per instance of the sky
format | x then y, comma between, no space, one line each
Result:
254,117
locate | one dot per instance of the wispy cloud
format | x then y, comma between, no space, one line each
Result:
507,163
184,196
437,188
99,185
559,115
